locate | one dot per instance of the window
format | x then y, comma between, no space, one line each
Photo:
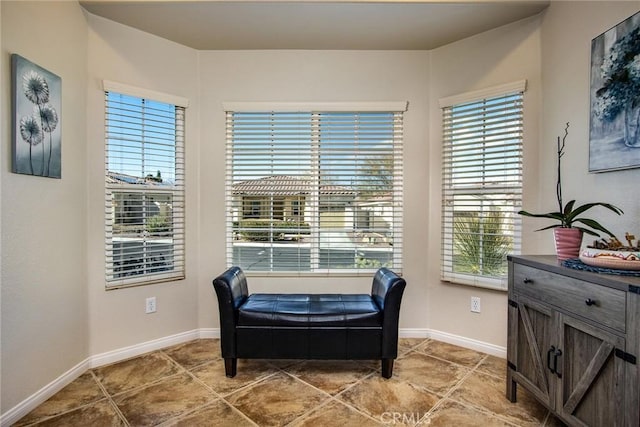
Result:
481,184
314,191
144,199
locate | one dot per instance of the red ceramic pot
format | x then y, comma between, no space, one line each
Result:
568,241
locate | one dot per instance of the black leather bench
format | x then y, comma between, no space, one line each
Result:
309,326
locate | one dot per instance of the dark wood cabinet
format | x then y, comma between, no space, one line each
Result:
573,339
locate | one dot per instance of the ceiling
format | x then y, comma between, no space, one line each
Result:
314,24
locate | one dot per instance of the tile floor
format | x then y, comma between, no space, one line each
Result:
434,384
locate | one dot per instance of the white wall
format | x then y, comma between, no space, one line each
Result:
313,76
503,55
552,51
53,298
567,29
121,54
44,261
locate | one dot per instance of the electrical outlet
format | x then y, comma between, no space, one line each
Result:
475,304
151,305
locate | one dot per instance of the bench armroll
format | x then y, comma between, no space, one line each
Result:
231,289
387,290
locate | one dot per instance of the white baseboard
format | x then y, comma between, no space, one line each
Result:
36,399
39,397
484,347
138,349
29,404
209,332
413,333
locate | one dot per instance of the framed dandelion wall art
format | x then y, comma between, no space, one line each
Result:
37,136
614,133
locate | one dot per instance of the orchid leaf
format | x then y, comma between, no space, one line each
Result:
549,227
587,231
570,216
569,213
552,215
595,225
580,209
569,207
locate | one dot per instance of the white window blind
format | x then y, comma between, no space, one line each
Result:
481,188
316,192
144,203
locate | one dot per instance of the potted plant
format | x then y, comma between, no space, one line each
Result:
568,235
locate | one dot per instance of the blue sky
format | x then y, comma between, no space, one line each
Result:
141,136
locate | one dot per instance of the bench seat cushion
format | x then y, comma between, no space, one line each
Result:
300,310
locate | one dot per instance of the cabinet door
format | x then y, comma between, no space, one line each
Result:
591,386
534,330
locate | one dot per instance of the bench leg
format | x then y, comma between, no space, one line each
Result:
230,366
387,368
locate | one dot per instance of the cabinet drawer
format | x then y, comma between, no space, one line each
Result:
603,305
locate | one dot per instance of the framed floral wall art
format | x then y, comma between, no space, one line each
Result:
614,132
37,135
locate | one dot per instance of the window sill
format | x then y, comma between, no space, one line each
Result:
304,274
131,284
477,282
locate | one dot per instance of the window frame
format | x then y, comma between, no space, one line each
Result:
313,201
150,193
479,187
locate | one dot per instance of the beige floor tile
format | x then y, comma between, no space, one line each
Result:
165,399
335,414
452,353
451,413
332,376
493,365
137,372
248,371
277,400
155,389
380,398
214,414
101,414
82,391
488,392
283,363
437,375
194,353
406,344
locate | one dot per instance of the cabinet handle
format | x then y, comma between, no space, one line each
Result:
527,280
591,302
556,355
551,351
